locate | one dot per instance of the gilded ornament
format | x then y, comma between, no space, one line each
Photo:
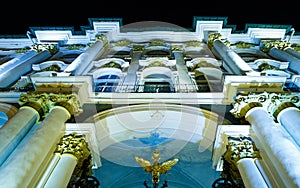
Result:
156,168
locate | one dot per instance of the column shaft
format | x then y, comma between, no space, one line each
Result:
62,172
250,174
49,170
290,120
82,63
293,52
27,159
23,65
275,143
15,129
294,63
231,60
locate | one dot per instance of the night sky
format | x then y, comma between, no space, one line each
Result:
75,14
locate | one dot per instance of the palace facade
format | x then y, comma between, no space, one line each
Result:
218,106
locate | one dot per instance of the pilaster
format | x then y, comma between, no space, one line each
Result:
130,80
185,82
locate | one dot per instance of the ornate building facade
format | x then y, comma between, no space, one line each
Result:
90,108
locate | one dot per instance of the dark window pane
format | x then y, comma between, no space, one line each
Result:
157,87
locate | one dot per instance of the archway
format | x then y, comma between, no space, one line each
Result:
175,130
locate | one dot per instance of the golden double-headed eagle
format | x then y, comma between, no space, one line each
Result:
156,168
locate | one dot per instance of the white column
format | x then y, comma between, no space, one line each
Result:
283,153
15,129
232,61
294,63
293,52
62,172
82,64
27,159
250,174
290,120
12,73
49,170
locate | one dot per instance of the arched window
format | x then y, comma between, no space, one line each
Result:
157,80
107,79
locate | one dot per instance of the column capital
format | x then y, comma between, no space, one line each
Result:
237,148
138,48
39,102
268,45
212,37
68,101
272,102
180,47
76,145
44,102
102,37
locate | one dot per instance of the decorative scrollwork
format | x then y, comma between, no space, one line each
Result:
76,145
237,148
44,102
272,102
268,45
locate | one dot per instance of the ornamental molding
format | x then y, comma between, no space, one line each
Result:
203,28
